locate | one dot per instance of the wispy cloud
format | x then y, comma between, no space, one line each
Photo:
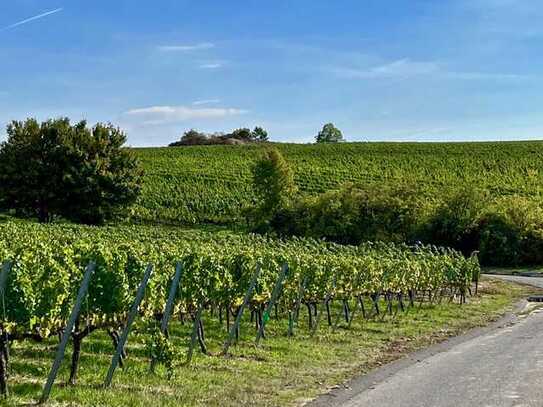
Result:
212,65
485,76
185,48
170,114
486,4
406,68
399,68
206,102
28,20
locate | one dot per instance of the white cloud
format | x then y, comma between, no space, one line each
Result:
405,68
212,65
206,102
169,114
185,48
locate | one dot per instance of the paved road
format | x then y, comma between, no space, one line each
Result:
502,367
535,281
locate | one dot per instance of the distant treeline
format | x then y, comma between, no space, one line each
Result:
329,134
238,136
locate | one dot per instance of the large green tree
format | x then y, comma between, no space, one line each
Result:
273,184
55,168
329,134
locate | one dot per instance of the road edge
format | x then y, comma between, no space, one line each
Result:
358,384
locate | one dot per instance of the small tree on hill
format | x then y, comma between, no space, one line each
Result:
273,183
243,134
58,169
329,134
259,134
191,138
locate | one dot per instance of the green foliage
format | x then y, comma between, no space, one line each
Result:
259,134
352,215
162,350
507,233
512,233
191,138
238,136
455,222
329,134
56,169
206,184
214,184
49,262
243,134
273,184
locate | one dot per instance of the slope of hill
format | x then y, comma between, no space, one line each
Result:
211,184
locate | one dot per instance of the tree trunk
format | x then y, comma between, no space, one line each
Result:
309,315
201,337
3,366
375,300
328,316
76,356
228,317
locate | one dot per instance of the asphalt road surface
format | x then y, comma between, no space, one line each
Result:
494,367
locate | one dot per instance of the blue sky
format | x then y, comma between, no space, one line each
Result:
431,70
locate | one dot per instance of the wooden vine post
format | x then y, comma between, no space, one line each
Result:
246,299
169,304
131,317
275,294
67,332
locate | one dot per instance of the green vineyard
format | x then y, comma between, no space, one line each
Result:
212,184
48,263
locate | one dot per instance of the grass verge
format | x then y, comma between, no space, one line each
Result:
283,371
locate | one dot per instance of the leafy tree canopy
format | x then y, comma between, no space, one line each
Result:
259,134
58,169
329,134
238,136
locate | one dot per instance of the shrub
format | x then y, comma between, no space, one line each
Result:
455,222
273,184
56,169
506,233
191,138
512,233
238,136
352,215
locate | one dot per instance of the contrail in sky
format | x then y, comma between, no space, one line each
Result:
48,13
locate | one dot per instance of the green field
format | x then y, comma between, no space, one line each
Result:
211,184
